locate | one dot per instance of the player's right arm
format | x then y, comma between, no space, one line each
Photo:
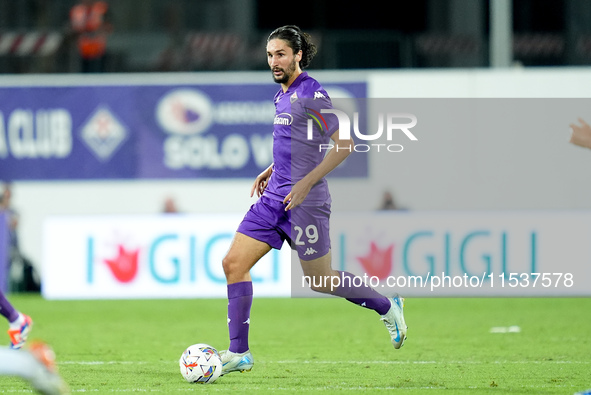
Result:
261,182
334,157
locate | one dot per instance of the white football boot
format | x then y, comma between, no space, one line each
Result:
394,321
234,362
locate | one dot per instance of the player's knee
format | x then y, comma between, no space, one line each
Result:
234,268
230,266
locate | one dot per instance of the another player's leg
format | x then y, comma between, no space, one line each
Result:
352,288
36,365
19,324
244,253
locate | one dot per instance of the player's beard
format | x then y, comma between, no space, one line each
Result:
286,73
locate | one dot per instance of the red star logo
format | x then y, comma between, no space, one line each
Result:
125,265
378,262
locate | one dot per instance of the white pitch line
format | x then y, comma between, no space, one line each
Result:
254,388
427,362
320,362
105,362
258,388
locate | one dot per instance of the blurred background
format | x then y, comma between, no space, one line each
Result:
36,36
160,108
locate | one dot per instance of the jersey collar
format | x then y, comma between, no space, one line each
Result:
296,82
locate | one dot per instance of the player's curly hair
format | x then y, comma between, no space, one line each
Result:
297,40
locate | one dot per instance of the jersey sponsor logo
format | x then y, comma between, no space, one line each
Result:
310,251
319,95
283,119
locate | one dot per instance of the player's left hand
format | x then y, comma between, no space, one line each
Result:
297,195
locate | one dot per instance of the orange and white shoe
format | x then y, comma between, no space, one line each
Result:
45,377
19,336
35,363
43,353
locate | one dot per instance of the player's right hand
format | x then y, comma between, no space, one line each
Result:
261,182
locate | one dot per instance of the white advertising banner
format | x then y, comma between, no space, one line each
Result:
419,254
160,256
496,253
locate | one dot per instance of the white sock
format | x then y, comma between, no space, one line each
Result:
16,324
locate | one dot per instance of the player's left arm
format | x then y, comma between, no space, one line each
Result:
341,149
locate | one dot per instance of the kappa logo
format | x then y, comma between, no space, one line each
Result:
310,251
103,133
319,95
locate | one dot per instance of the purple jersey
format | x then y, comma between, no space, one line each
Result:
294,154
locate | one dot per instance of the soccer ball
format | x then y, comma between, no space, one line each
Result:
201,363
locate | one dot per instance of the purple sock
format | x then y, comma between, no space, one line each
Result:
239,302
356,291
6,309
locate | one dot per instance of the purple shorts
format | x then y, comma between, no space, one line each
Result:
306,228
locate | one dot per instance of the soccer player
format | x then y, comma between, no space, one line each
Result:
19,324
293,197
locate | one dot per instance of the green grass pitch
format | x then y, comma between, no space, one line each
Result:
320,345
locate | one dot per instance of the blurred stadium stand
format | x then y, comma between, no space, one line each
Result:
188,35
